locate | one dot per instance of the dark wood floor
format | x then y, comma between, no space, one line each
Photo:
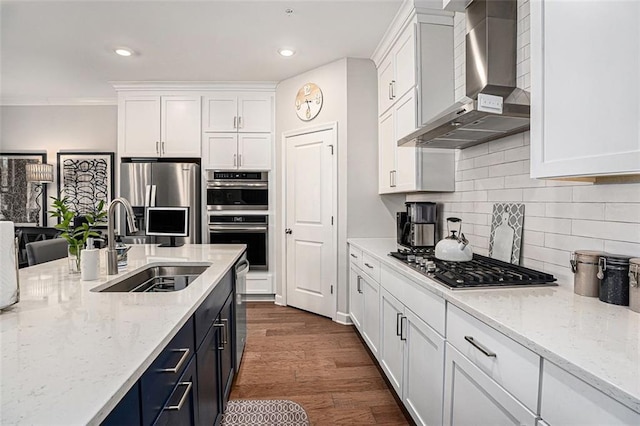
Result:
321,365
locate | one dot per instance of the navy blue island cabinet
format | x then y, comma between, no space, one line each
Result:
190,381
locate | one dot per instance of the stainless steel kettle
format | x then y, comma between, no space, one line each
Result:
454,248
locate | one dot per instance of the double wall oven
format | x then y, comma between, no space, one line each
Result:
237,204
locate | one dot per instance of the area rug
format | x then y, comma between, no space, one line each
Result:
264,412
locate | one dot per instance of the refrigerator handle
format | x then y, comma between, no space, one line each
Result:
152,200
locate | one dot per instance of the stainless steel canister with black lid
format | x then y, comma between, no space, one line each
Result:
613,271
634,284
584,264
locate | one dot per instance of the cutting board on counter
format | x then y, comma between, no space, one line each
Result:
506,232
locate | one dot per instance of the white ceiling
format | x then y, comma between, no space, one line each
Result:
60,50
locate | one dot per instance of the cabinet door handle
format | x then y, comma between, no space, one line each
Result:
225,331
239,160
479,347
162,145
157,147
402,322
235,160
183,358
239,122
393,89
358,284
220,325
395,180
398,326
390,96
235,122
183,398
354,256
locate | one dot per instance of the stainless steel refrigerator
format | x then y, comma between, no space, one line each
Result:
161,184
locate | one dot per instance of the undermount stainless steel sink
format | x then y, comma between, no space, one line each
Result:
158,279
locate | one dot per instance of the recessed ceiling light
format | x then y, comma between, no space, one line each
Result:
286,52
123,51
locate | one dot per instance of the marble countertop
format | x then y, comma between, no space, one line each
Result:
596,341
69,354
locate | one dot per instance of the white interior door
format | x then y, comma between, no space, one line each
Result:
310,240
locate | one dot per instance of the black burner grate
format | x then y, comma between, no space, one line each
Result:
481,272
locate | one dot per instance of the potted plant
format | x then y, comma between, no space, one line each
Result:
76,236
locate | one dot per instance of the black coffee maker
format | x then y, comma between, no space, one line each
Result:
417,227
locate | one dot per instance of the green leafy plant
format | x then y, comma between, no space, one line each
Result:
76,236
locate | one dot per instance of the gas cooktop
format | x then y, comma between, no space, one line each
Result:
480,272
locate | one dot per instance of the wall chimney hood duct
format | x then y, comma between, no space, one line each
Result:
494,107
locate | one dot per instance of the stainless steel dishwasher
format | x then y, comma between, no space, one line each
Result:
241,269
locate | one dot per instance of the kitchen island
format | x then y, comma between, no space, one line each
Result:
69,354
563,347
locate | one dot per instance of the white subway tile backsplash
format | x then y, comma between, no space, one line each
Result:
508,169
516,154
483,207
534,209
521,181
547,224
533,238
621,247
545,254
465,185
533,264
474,174
474,196
618,193
489,183
475,218
623,212
489,160
505,195
483,231
465,164
572,243
619,231
548,194
589,211
513,141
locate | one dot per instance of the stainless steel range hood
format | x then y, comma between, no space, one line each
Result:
494,107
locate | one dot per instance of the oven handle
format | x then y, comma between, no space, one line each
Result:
226,229
219,185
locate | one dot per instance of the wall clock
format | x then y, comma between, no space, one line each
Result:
308,102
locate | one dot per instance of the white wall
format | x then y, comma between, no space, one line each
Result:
349,94
55,128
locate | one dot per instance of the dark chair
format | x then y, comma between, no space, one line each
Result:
29,234
46,251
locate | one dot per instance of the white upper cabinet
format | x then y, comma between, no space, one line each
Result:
415,83
585,115
237,151
159,126
238,112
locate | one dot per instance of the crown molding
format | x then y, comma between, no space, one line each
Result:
58,101
123,86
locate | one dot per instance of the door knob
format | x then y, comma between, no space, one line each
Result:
288,231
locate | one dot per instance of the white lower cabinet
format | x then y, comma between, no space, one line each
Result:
412,356
391,346
472,398
567,400
364,310
423,370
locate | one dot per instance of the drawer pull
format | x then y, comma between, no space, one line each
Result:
479,347
354,256
183,358
398,324
368,266
402,336
183,398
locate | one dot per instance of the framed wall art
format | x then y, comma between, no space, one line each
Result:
86,178
22,201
